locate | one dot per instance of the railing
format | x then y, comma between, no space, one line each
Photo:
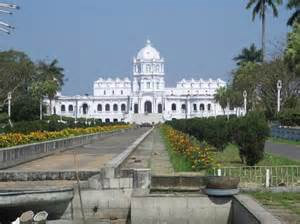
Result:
286,133
261,176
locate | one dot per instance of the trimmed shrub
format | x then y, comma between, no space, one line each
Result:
249,134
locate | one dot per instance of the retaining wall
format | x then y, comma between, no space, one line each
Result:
15,155
285,133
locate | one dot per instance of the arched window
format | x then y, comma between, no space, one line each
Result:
123,107
63,108
107,120
209,106
99,107
107,108
104,92
85,108
195,107
115,120
157,68
202,107
173,107
70,108
183,107
159,108
115,107
121,92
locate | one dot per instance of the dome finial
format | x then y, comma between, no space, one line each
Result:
148,42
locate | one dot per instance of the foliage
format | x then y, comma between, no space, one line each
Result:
292,52
250,133
221,97
289,117
12,139
199,154
251,54
215,131
293,5
16,71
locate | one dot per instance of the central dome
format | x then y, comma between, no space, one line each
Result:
148,52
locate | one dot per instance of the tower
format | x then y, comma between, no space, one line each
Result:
148,70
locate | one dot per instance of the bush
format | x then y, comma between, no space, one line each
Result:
289,117
25,108
250,133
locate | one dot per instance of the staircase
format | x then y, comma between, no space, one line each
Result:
147,118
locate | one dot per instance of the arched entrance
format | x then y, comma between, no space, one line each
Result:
159,108
148,107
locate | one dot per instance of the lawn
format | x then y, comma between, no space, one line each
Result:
230,158
287,200
284,141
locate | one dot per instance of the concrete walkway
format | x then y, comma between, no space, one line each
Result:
90,157
286,150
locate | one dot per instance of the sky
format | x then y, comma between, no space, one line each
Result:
99,38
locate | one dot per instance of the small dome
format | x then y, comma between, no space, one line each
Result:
148,52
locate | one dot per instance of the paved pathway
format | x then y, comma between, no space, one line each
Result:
91,156
286,150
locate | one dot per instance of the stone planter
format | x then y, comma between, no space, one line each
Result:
222,186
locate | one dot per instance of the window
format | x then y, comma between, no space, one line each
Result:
157,85
148,85
157,68
99,107
85,108
123,107
107,120
115,107
63,108
208,106
195,107
159,108
183,107
70,108
173,107
107,108
201,106
148,68
113,92
104,92
115,120
121,92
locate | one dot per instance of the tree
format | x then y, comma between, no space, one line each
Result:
221,97
49,80
16,72
293,5
260,8
251,54
292,52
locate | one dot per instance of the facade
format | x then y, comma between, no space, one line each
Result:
145,98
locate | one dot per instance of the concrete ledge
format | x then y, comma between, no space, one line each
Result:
178,182
16,155
112,168
247,210
8,176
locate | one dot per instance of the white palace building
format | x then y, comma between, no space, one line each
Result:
145,98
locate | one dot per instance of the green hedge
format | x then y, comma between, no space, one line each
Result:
249,133
289,117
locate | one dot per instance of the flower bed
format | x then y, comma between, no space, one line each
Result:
201,155
13,139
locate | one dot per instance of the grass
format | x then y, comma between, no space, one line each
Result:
230,158
284,141
178,161
288,200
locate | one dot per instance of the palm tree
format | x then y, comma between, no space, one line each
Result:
260,8
51,77
251,54
221,97
293,5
